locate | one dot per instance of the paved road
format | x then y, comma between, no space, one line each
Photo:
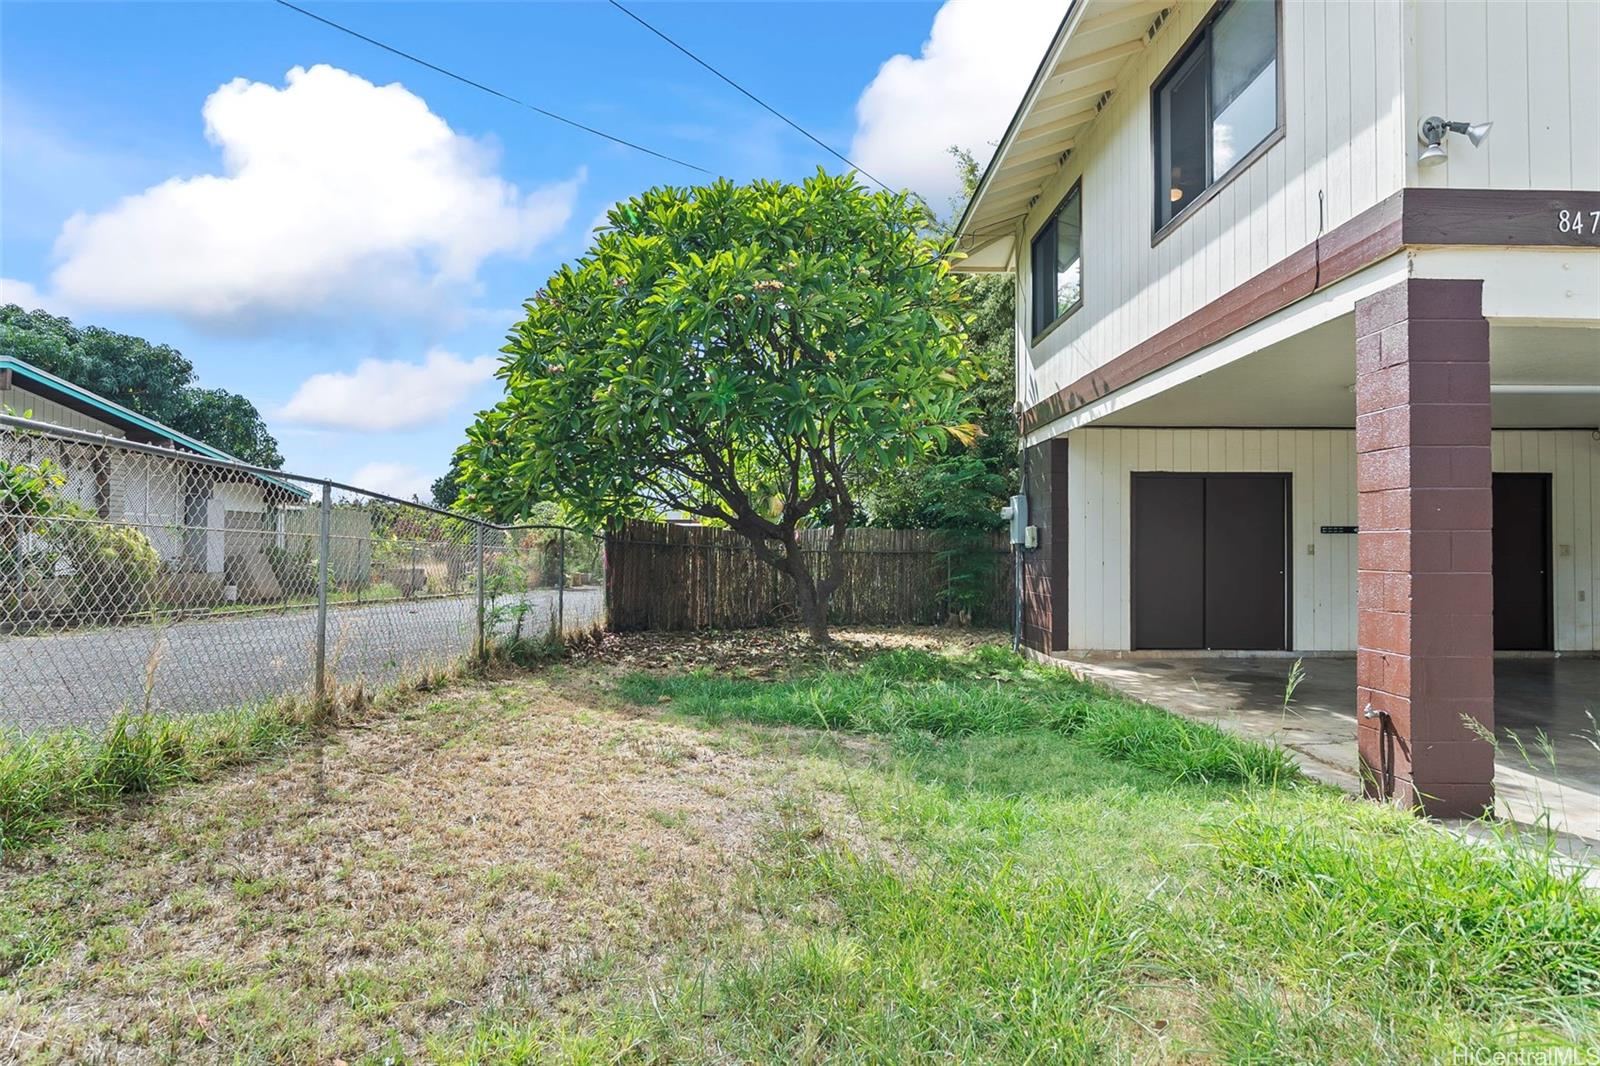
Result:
83,678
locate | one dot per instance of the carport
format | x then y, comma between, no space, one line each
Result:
1544,710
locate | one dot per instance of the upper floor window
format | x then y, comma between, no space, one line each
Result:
1216,103
1058,263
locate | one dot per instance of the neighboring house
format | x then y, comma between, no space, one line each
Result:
1260,307
202,520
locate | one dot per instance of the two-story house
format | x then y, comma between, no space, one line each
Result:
1308,342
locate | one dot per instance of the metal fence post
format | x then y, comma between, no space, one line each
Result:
324,535
483,645
561,585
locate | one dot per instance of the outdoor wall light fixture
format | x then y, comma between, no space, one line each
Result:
1431,132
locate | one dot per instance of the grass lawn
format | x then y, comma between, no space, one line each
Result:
713,851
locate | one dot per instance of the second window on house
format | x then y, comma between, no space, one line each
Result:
1058,263
1216,104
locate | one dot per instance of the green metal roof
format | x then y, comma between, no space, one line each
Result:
119,413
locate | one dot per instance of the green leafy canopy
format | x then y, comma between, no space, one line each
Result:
964,487
155,380
734,351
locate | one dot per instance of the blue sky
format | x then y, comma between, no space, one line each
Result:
255,188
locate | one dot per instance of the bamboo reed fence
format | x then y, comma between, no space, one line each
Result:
673,577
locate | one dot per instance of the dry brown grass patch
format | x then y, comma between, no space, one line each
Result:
496,843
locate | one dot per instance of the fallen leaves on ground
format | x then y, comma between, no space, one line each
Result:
765,652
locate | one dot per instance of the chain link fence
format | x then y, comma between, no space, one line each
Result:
139,577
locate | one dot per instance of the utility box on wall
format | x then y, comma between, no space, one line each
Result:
1017,512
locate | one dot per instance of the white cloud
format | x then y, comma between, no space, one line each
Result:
383,394
29,298
962,90
395,479
336,195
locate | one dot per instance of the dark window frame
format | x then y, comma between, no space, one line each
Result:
1036,328
1198,39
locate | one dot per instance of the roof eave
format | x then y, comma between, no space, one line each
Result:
26,370
1047,63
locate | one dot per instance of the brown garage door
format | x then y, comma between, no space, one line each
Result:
1210,561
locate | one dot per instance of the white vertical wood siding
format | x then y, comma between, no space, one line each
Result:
1531,68
1344,110
1321,464
144,491
20,401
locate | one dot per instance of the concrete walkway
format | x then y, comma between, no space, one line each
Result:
1559,774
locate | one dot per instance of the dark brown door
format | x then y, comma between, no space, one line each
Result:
1522,562
1246,556
1169,599
1210,561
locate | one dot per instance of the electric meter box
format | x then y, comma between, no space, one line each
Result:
1017,512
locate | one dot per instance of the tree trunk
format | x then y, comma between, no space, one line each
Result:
810,594
813,604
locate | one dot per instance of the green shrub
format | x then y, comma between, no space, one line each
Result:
113,567
294,567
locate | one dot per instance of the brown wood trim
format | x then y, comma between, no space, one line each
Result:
1499,218
1060,564
1370,236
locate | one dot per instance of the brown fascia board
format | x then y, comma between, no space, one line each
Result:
1500,217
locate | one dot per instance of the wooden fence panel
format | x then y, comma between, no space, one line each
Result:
671,577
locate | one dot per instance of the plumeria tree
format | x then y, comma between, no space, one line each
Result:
737,352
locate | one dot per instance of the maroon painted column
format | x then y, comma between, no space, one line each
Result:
1044,569
1424,588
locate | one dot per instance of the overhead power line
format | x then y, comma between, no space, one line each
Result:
753,97
574,123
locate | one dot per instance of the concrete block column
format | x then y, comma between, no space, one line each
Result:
1044,569
1424,587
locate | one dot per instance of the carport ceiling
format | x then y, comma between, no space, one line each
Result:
1303,381
1308,381
1562,355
